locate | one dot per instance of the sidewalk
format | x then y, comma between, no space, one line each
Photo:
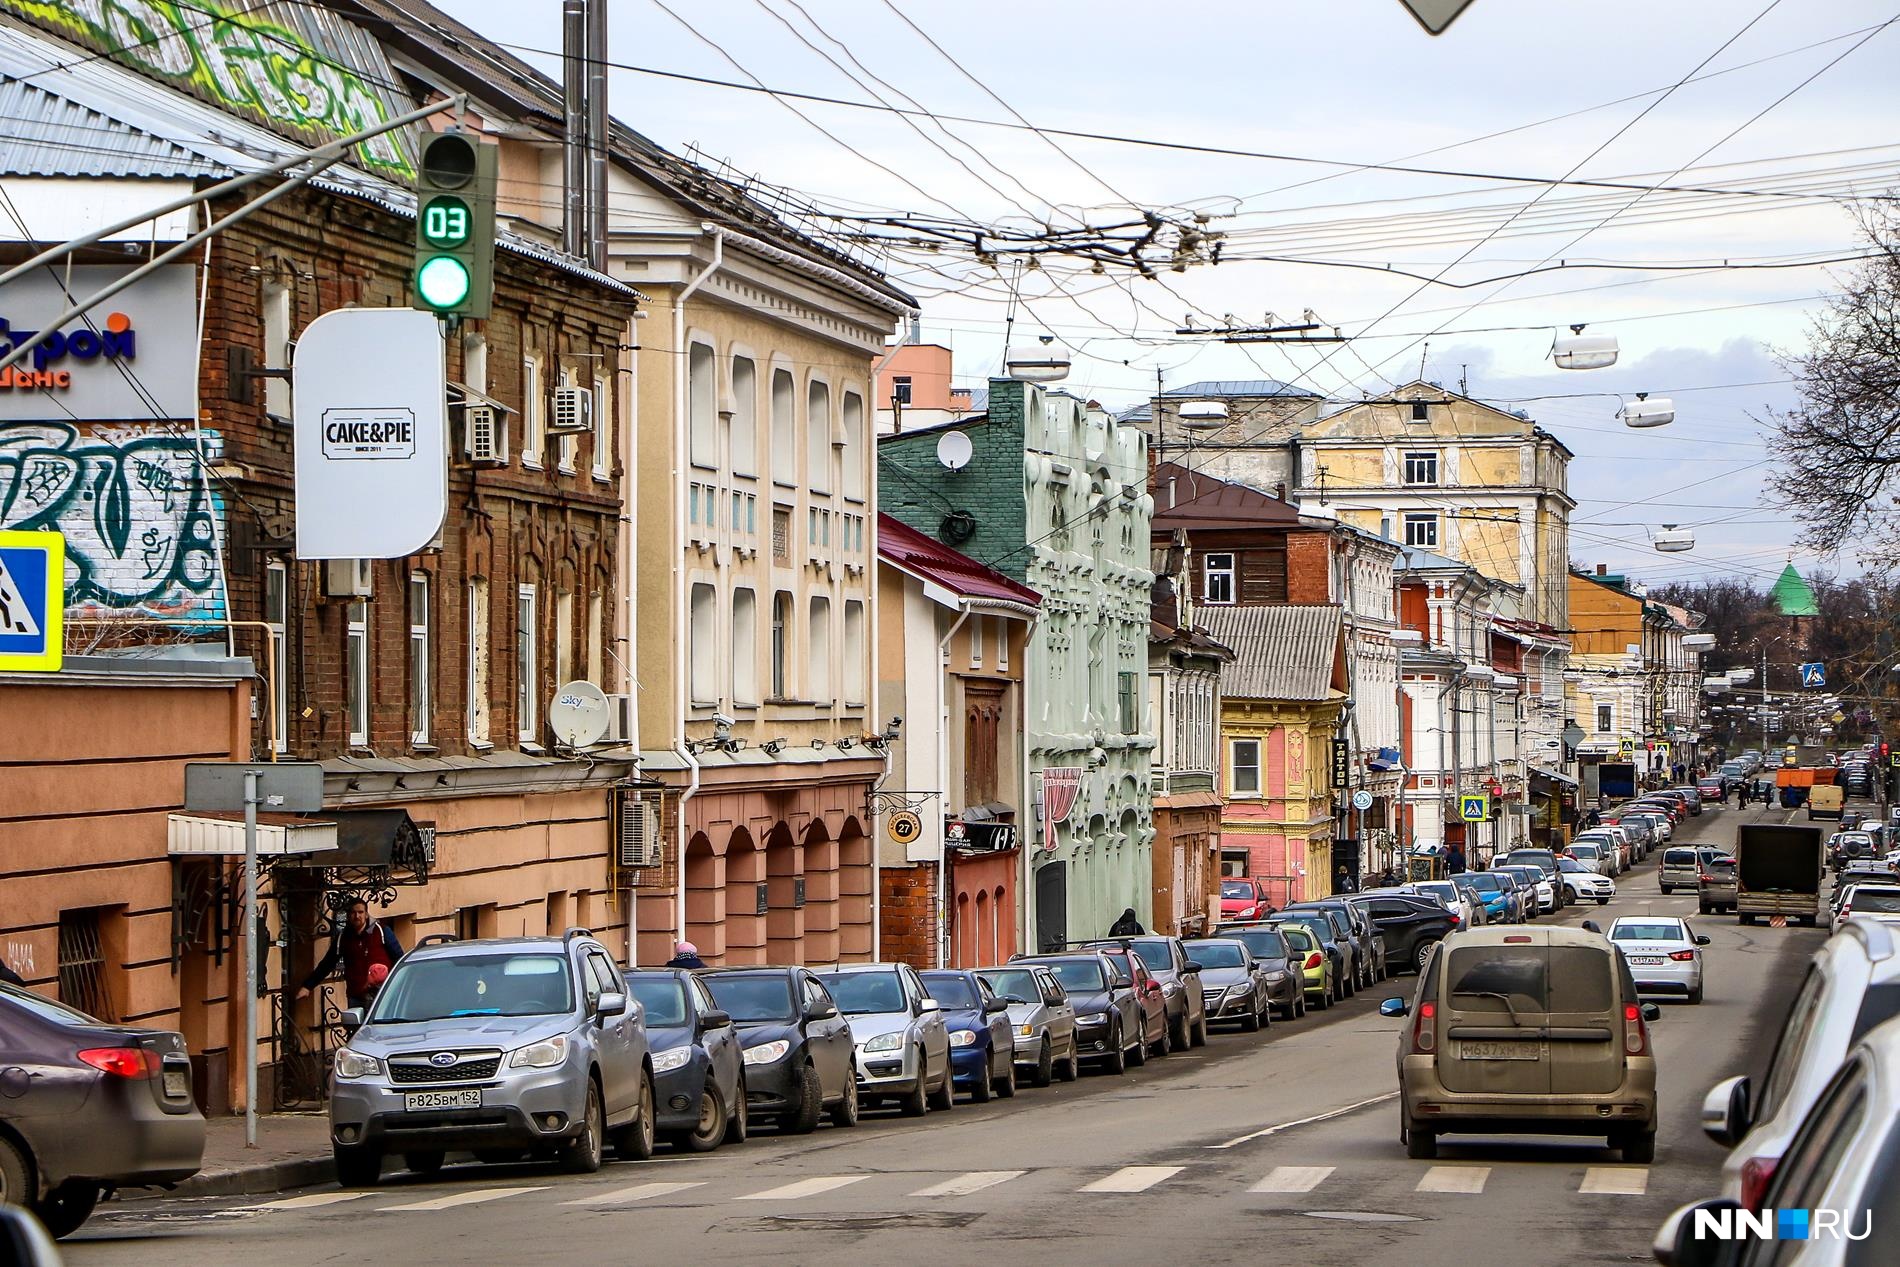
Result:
293,1151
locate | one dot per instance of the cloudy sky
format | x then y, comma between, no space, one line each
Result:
1769,118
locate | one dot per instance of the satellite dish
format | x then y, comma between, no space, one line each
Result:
579,714
954,450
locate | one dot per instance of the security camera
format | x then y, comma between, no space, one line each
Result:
724,722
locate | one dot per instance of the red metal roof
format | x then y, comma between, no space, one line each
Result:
903,546
1194,499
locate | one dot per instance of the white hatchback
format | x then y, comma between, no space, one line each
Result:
1663,952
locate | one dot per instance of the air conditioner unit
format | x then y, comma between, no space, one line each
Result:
346,578
573,412
485,433
638,831
619,720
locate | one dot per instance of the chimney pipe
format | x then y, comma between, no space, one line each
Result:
596,206
574,126
1603,569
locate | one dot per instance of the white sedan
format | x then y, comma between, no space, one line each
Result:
1664,954
1584,882
1879,900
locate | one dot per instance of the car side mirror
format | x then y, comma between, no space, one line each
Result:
1193,966
610,1005
1702,939
352,1018
996,1005
926,1006
23,1240
1652,1011
1124,983
1393,1007
1679,1243
819,1011
714,1019
1725,1112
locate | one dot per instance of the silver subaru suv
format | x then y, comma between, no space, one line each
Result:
509,1047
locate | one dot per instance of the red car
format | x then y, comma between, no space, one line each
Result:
1242,897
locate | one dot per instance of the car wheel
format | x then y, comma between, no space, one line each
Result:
1138,1054
1420,1145
1117,1061
1181,1035
1250,1023
803,1120
1071,1069
1325,999
845,1112
16,1176
1638,1149
1603,901
66,1207
1006,1085
739,1121
1420,953
1702,908
710,1131
634,1141
1695,995
424,1163
1746,919
357,1167
982,1089
944,1097
1045,1066
582,1154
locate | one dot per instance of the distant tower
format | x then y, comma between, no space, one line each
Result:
1793,598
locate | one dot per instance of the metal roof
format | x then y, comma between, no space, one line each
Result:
51,135
1186,498
929,559
1282,651
1240,387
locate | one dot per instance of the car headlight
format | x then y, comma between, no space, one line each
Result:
959,1038
766,1053
1092,1018
885,1042
541,1055
350,1064
1236,991
1025,1031
672,1059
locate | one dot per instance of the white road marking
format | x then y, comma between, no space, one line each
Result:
474,1196
1305,1121
1621,1181
1133,1179
804,1188
639,1192
964,1185
1468,1179
1293,1179
311,1201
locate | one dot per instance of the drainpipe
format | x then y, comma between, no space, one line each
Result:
943,773
681,423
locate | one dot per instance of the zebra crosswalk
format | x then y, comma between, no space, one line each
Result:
1451,1180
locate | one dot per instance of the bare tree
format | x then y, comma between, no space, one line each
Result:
1840,447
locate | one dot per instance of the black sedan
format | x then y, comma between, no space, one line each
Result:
698,1063
798,1049
1109,1021
1411,926
87,1107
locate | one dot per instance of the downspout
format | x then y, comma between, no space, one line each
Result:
682,691
943,771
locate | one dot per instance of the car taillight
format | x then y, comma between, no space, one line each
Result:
1756,1172
1635,1032
1703,877
122,1062
1456,918
1682,956
1314,960
1424,1032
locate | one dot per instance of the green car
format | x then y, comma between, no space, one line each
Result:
1317,967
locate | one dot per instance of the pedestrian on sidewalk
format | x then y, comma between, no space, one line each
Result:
685,955
363,945
1129,925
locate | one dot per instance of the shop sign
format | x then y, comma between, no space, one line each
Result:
133,357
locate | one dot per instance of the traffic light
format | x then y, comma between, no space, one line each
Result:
455,226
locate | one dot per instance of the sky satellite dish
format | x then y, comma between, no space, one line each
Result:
578,715
954,450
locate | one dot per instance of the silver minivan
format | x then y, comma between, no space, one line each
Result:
1682,866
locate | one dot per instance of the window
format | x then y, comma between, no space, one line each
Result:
1218,578
702,406
1128,698
818,438
1422,531
82,965
784,429
781,644
276,614
819,651
900,389
475,361
854,446
276,346
421,668
527,685
533,419
700,677
476,711
853,652
356,672
976,642
1421,468
603,431
1243,761
745,651
1419,412
563,638
1606,717
596,644
782,535
744,455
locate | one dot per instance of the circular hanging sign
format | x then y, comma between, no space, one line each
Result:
1362,800
905,826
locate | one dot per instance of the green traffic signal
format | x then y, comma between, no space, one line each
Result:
454,260
443,283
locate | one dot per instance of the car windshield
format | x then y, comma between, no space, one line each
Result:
1213,954
1019,982
1296,937
1573,866
662,999
865,993
1242,889
1153,953
1444,890
1315,924
1646,932
750,1000
951,990
442,987
1885,903
1486,881
1079,974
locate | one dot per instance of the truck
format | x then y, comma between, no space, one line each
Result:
1778,871
1617,779
1826,800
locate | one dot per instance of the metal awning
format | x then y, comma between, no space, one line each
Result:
1538,772
987,811
206,835
463,394
371,838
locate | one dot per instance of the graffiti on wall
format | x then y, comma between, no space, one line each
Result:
139,517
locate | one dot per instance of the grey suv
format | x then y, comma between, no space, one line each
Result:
504,1047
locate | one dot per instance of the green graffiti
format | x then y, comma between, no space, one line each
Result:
234,59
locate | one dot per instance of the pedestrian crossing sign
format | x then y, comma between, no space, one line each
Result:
1475,808
32,601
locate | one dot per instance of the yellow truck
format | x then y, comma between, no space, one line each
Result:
1826,800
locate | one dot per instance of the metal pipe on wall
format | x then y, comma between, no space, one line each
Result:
574,16
595,210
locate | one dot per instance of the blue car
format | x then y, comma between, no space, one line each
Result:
1500,905
699,1094
982,1041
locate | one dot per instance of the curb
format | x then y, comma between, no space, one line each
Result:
274,1177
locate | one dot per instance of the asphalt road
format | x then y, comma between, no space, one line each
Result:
1277,1148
